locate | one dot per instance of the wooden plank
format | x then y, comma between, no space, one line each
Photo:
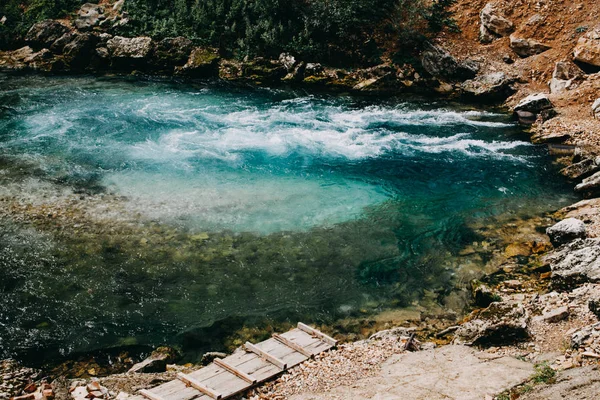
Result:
237,372
199,386
316,333
273,360
293,345
149,395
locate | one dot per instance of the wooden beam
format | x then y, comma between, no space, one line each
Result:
292,345
149,395
263,354
316,333
235,371
196,384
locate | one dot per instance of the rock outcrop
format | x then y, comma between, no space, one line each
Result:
527,47
500,323
129,52
202,63
587,50
441,64
528,109
496,86
89,16
590,187
171,52
493,24
566,231
44,33
575,263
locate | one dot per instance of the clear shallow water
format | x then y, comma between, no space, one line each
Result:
143,212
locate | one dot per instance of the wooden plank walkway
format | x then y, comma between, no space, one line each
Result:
244,369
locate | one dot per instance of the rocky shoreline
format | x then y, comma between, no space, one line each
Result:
544,310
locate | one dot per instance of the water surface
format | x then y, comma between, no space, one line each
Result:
141,212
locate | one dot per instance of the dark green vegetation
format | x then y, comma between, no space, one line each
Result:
335,31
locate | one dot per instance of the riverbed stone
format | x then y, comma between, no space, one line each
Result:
527,47
587,50
493,24
566,231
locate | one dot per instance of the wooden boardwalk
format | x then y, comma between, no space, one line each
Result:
240,371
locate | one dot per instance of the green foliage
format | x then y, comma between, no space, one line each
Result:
543,373
21,14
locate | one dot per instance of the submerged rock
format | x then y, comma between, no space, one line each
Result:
499,324
566,231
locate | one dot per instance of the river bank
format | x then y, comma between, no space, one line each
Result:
550,298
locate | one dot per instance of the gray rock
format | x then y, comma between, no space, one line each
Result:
157,362
575,263
44,33
493,23
485,36
534,103
441,64
587,50
562,77
596,109
556,315
575,383
566,231
499,324
582,169
89,16
579,338
527,47
128,53
590,187
210,356
489,87
288,61
78,50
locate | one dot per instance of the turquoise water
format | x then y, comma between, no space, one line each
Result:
148,212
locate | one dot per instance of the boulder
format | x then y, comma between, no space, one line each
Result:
157,362
575,263
590,187
493,24
582,169
556,315
566,231
171,52
78,50
288,61
562,77
210,356
261,70
533,105
527,47
587,49
202,63
596,109
499,324
89,16
129,48
441,64
44,33
496,86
